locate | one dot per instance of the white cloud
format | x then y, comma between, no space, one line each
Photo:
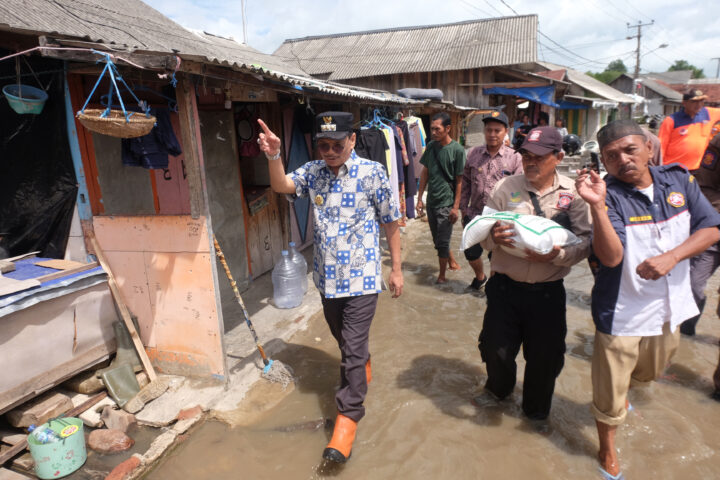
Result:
592,29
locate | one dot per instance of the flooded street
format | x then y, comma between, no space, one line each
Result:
420,421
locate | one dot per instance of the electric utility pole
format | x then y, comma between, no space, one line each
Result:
717,72
637,50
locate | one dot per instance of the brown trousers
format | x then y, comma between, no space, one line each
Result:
620,361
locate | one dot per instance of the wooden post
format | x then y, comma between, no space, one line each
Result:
195,167
192,145
123,309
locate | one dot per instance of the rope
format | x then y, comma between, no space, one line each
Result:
115,76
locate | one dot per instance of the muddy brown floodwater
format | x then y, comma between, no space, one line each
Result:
420,423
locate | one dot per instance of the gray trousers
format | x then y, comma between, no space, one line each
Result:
349,319
701,269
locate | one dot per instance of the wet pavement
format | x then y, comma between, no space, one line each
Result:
420,421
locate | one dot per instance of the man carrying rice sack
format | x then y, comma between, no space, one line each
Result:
647,224
525,294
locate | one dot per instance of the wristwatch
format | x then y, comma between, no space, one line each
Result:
273,157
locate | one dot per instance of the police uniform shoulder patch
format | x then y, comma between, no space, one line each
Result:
564,200
676,199
709,160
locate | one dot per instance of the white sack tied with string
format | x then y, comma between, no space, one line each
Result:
538,234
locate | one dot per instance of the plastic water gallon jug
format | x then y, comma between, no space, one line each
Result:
287,287
299,261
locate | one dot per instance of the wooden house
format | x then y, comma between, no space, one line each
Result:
156,226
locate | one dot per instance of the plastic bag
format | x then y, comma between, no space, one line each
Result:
535,233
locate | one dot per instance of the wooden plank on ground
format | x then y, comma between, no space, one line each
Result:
124,312
9,454
21,257
10,285
59,264
6,266
62,273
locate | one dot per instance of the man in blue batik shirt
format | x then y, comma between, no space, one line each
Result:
351,197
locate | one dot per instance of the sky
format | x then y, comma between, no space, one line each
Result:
581,34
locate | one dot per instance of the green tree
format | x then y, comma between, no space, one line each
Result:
613,70
606,76
616,66
685,65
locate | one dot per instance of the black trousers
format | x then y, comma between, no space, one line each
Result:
349,319
531,315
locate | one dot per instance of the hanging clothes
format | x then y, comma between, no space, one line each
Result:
151,150
408,170
392,161
400,159
370,143
417,147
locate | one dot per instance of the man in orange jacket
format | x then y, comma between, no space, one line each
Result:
685,134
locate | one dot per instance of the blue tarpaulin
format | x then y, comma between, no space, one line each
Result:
565,105
542,95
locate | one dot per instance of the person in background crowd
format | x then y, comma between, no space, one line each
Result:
486,165
656,154
647,223
521,129
443,162
560,125
704,265
543,119
351,198
685,134
525,295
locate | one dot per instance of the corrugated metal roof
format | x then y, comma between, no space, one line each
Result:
431,48
590,84
132,25
661,88
674,77
128,25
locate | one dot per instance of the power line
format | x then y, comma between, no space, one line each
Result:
493,7
629,4
508,6
485,14
550,39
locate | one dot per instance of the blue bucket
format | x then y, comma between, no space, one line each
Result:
32,100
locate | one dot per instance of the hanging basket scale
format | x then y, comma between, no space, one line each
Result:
114,123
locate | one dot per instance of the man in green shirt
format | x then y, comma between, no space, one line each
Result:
443,162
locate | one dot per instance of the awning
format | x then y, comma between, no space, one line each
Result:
566,105
594,102
542,95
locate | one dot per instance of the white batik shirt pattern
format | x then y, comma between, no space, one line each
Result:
347,212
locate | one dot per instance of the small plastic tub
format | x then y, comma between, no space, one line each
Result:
58,459
32,99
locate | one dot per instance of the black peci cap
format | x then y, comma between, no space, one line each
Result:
334,125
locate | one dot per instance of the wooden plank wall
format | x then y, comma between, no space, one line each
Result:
447,81
163,265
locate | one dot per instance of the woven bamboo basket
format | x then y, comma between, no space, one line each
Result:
115,125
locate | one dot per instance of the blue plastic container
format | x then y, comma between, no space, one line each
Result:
32,100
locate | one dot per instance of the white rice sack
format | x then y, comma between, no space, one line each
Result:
535,233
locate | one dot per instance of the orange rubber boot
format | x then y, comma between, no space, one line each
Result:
340,446
368,371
